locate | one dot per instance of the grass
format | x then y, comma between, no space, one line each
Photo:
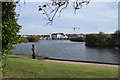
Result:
22,67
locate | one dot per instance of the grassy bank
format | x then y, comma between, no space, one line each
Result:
22,67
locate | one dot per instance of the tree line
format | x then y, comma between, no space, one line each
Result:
29,39
77,39
100,40
103,40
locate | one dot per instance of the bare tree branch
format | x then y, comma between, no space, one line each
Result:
50,9
78,4
63,8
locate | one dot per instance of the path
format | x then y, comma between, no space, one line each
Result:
84,63
80,63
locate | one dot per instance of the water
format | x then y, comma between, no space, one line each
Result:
64,49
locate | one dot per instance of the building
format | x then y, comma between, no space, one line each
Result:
58,36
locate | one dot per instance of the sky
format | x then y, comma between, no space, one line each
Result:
93,18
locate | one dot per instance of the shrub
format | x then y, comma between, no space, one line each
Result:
33,38
99,40
77,39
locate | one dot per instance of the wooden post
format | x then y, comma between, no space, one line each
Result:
33,49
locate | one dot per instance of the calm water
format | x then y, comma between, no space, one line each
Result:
64,49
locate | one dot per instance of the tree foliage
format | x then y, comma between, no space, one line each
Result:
115,39
23,40
91,40
33,38
29,39
103,40
10,27
77,39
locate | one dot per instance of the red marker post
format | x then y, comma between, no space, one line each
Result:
36,50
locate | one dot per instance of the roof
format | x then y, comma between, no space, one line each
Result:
57,33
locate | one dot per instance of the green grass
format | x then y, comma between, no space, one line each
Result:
22,67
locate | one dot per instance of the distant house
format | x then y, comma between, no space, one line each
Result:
58,36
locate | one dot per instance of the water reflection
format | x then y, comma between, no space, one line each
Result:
108,55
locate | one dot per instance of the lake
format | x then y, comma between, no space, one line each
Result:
67,50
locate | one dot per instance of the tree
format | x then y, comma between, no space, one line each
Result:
102,39
115,39
23,40
99,40
50,9
33,38
117,34
91,39
10,27
77,39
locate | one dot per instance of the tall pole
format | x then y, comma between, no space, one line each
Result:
74,30
50,35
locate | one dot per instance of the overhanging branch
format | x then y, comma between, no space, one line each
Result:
50,9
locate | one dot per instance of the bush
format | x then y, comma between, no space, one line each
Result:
115,39
77,39
10,27
23,40
33,38
99,40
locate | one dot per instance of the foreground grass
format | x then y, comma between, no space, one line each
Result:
22,67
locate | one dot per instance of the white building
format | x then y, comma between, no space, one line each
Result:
58,36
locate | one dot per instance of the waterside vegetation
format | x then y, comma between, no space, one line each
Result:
103,40
78,39
29,39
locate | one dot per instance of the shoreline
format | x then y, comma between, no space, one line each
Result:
86,63
89,63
